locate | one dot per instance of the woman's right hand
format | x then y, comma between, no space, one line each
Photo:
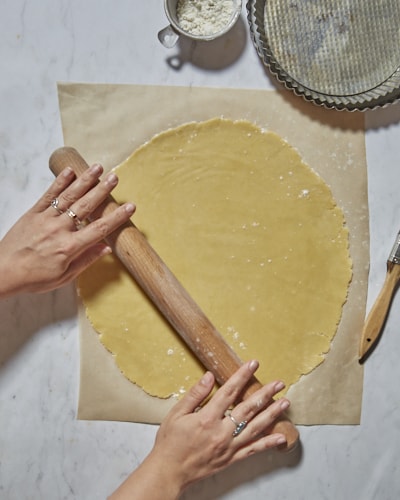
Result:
194,443
44,250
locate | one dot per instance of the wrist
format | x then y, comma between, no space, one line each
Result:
167,475
154,478
9,272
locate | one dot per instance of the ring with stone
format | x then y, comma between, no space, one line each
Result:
73,216
54,203
239,425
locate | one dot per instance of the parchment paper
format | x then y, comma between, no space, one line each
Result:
106,123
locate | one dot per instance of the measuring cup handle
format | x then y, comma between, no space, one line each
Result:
168,37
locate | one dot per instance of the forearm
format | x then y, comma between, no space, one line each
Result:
152,479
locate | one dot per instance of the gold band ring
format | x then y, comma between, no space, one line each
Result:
72,215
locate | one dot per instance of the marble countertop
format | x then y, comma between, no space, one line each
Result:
45,452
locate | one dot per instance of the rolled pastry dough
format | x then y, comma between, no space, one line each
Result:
252,233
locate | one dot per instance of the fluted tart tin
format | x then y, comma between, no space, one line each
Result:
335,53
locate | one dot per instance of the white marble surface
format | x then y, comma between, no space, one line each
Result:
45,453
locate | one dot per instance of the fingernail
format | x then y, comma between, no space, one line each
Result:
96,168
67,172
129,208
284,404
281,440
112,179
106,251
279,386
207,379
253,365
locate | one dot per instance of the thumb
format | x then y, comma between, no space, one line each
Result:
196,395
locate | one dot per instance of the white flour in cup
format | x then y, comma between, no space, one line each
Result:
204,17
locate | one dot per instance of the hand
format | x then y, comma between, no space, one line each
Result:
44,249
192,444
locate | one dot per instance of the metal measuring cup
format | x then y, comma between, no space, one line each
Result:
170,34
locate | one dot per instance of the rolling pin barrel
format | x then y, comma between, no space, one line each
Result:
169,296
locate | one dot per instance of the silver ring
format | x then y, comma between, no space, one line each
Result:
239,425
54,203
73,216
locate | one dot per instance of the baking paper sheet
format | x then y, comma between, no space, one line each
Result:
106,123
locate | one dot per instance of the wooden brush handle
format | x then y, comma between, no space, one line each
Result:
377,316
169,296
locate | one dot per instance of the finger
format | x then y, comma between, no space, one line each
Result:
261,423
62,181
76,267
85,260
195,396
101,228
86,205
228,394
259,445
80,186
257,402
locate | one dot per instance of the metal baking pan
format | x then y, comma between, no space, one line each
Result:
334,53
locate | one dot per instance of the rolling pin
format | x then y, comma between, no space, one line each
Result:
170,297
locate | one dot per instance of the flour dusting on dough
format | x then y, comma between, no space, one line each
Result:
252,233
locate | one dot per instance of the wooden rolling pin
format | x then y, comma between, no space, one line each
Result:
169,296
